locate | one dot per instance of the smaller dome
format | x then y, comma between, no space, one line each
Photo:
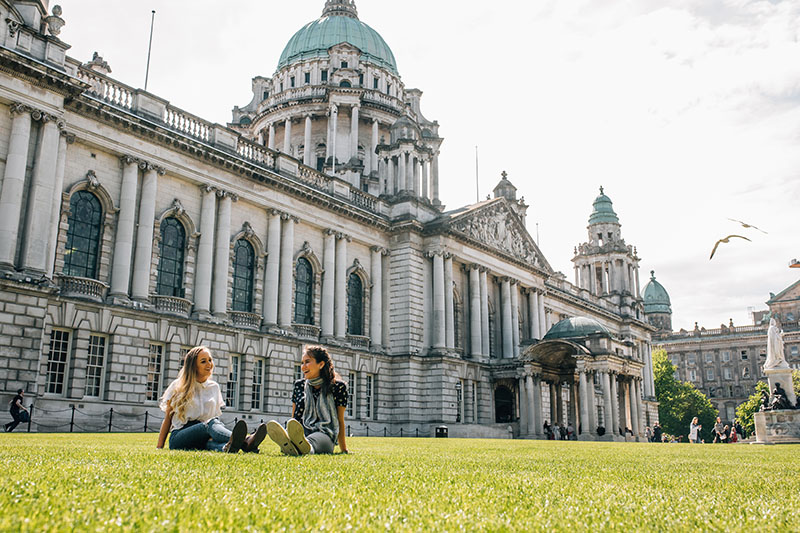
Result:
575,327
656,299
603,210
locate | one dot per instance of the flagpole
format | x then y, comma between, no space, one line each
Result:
149,48
477,182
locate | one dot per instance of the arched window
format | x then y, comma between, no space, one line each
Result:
355,305
304,292
344,83
83,235
243,276
170,264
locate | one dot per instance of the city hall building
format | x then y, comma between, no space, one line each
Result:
131,230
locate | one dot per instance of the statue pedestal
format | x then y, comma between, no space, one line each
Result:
784,377
777,427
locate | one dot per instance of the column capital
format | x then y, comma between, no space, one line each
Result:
206,188
69,137
343,236
473,266
379,250
19,108
126,159
448,255
329,232
356,106
431,253
288,217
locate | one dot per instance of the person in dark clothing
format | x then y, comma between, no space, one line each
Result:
657,432
740,430
16,407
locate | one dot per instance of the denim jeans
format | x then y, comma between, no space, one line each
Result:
211,435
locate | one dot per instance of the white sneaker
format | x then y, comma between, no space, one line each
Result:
281,438
298,436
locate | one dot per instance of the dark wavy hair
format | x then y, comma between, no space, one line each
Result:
321,355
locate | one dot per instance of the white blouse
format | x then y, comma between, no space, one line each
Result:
206,404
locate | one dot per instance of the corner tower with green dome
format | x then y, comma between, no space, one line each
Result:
338,105
605,265
657,305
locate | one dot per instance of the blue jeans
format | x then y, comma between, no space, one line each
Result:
211,435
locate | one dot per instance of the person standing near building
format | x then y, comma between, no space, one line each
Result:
719,431
657,432
694,430
16,407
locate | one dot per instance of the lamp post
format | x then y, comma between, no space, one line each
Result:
458,401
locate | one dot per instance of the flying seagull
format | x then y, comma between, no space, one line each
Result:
725,240
746,225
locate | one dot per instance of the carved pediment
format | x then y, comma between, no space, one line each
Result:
496,226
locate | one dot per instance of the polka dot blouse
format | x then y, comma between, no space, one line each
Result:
338,389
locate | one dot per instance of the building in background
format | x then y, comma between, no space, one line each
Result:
725,363
131,230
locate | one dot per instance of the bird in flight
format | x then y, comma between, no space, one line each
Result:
725,240
746,225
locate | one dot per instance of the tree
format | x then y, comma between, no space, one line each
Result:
679,401
746,409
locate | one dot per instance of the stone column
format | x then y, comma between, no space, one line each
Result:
308,150
272,272
354,131
123,242
584,401
560,402
222,255
391,187
593,279
508,336
524,407
636,274
553,404
574,403
614,404
515,318
271,142
542,324
328,283
484,313
439,338
376,298
55,216
402,185
205,250
332,112
535,387
646,370
286,275
435,178
40,202
340,311
608,422
533,312
475,343
13,184
592,407
634,407
449,311
425,192
373,156
287,137
140,289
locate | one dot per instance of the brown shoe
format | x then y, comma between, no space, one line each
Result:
252,441
237,438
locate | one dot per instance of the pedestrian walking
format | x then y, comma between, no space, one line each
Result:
16,409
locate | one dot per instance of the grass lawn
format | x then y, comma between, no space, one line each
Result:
120,481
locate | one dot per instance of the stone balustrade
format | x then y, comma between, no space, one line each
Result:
241,319
172,305
358,341
294,94
107,89
306,331
187,123
76,287
255,153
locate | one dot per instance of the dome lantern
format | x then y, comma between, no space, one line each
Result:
342,8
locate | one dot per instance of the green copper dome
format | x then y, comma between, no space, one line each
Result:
656,299
603,210
339,24
575,327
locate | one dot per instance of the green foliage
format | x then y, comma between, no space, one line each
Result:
746,410
90,482
680,401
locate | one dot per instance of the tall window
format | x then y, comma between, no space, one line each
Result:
324,75
170,266
355,305
304,292
474,402
83,235
154,364
369,406
94,365
709,374
351,397
258,384
57,361
298,372
243,275
726,356
232,389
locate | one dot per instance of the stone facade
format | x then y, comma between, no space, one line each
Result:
131,231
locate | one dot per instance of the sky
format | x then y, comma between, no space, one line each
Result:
686,112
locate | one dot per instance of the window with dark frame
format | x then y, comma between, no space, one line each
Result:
170,264
304,292
243,276
355,305
83,235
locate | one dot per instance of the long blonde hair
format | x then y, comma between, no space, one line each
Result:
185,384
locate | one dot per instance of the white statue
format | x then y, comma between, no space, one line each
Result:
775,357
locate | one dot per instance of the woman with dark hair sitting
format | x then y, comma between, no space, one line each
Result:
318,404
